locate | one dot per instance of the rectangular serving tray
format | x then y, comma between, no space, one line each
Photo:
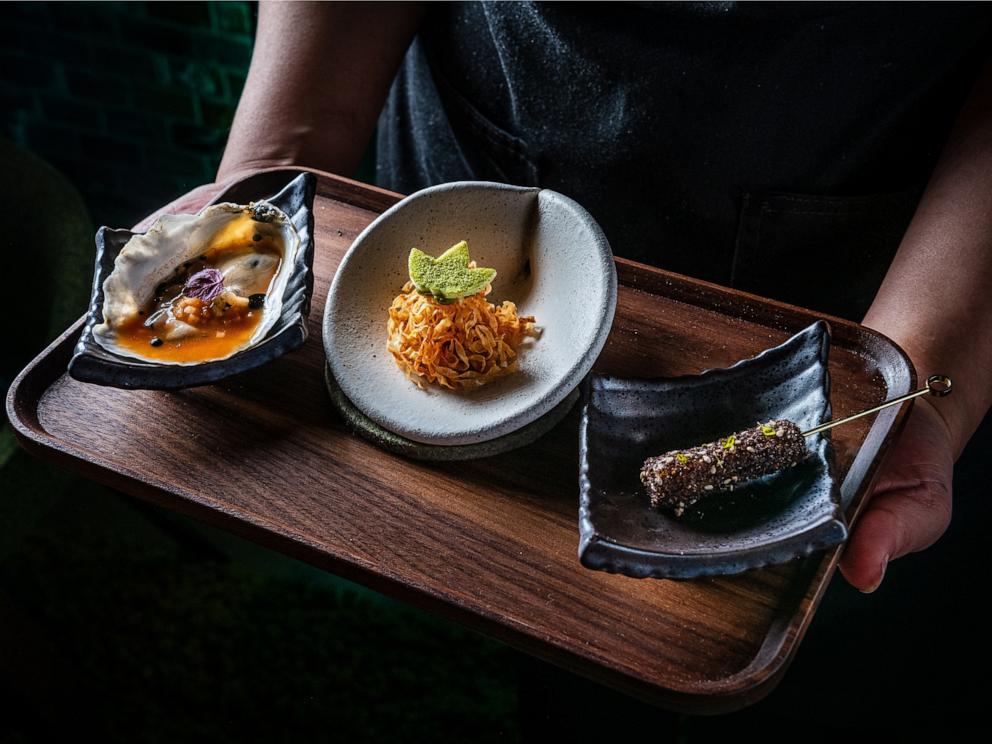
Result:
490,543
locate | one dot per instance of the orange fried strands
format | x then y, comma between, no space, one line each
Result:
462,344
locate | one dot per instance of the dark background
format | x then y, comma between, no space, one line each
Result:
122,622
131,101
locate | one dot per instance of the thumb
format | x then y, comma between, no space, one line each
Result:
895,523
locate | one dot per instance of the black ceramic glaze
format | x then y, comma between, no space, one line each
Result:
771,520
294,194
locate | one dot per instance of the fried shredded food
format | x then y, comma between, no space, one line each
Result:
463,344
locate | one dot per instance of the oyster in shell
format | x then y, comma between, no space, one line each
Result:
155,307
156,318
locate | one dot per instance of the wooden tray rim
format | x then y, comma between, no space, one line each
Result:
733,692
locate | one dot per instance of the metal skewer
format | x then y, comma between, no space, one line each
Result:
937,385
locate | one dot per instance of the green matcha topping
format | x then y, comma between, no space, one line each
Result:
448,276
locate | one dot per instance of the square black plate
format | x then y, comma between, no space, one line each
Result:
771,520
294,193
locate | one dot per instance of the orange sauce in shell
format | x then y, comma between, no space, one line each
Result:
135,336
218,328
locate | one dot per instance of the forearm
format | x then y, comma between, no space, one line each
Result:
319,75
936,300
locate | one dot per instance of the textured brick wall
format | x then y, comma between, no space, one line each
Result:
132,101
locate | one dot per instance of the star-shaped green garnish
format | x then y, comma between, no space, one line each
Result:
447,277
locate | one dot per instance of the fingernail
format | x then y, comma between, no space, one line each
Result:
873,587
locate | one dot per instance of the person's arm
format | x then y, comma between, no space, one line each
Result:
319,75
935,302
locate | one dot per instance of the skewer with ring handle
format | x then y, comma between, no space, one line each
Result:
937,385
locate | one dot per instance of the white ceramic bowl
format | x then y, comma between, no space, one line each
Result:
552,260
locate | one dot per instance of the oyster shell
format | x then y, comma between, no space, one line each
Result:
149,260
274,195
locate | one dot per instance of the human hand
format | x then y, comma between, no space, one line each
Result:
910,505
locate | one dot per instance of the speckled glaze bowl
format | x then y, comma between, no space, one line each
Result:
770,520
362,425
552,260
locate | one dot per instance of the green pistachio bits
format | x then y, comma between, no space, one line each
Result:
448,276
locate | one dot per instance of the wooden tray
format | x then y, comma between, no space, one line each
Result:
490,543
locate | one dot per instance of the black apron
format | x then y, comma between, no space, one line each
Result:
777,148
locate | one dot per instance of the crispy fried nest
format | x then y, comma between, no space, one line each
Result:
463,344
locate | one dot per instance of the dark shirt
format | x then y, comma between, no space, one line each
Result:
778,148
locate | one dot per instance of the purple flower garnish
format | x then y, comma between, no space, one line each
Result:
206,284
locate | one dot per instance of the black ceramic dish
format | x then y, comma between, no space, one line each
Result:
771,520
294,194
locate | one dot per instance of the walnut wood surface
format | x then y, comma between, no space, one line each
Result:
491,543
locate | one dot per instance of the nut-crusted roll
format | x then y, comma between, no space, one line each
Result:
678,479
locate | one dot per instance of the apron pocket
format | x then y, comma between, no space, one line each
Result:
825,253
491,152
